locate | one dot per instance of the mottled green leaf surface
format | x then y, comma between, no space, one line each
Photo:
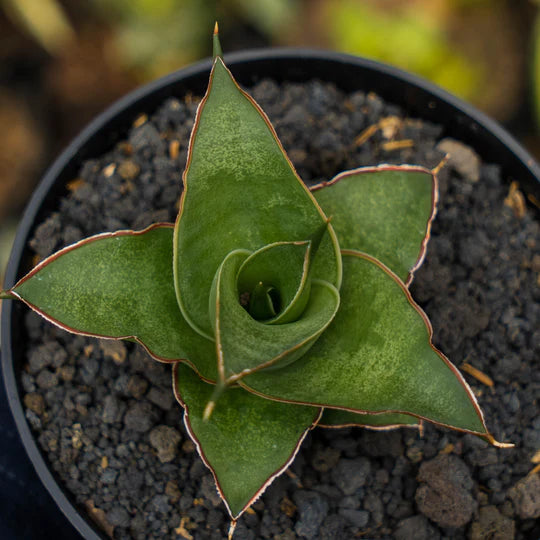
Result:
246,441
338,418
240,192
246,344
384,211
119,285
375,356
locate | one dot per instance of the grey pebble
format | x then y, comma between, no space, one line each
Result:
526,497
351,474
444,493
118,517
493,525
139,416
312,509
47,379
163,398
165,440
357,518
113,409
415,527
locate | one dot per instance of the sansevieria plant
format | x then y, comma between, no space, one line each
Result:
280,308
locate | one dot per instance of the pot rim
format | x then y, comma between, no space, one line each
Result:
436,101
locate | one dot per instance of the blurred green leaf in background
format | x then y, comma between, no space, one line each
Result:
157,37
272,17
404,35
45,20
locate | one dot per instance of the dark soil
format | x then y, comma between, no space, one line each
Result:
105,415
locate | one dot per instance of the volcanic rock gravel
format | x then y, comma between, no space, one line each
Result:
105,416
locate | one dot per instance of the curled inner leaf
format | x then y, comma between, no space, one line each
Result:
245,345
277,278
264,301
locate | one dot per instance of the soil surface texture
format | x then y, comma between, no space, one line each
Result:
106,418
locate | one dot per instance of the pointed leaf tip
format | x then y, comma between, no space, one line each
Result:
490,439
217,45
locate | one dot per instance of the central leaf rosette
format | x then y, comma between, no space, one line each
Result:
266,309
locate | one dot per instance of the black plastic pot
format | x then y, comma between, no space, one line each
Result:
416,97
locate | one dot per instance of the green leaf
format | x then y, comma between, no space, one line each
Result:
119,285
244,344
240,192
335,418
376,356
384,211
264,302
247,442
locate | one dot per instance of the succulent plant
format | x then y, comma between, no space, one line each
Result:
279,307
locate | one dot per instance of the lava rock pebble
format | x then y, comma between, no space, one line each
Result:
417,527
493,525
444,494
526,497
351,474
139,416
165,440
312,508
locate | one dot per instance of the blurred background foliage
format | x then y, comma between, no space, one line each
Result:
63,61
